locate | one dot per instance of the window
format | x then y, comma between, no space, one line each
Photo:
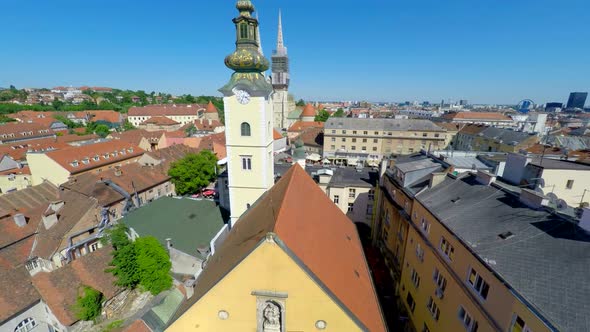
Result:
32,264
246,162
343,139
245,129
369,210
433,308
94,247
376,133
354,140
364,148
333,139
364,140
243,31
519,325
336,199
344,132
343,147
350,207
424,135
371,194
410,302
479,285
333,131
365,132
446,248
353,148
374,148
354,132
467,320
436,135
333,147
440,281
425,328
425,225
570,184
375,140
26,325
415,278
351,193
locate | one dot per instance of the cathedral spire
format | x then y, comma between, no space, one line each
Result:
258,38
281,49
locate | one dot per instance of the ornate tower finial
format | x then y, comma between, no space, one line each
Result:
247,62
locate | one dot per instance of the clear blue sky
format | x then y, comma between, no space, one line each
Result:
487,51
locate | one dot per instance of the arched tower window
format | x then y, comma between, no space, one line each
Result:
26,325
245,128
243,31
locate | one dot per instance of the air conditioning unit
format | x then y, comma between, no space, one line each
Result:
439,293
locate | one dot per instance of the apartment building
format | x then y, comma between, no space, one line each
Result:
57,166
492,139
347,139
470,253
181,114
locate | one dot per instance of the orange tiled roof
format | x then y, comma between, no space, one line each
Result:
136,135
477,116
163,110
320,236
301,125
276,135
160,120
211,108
215,143
94,155
308,110
108,116
16,130
61,287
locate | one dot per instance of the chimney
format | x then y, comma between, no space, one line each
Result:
20,220
584,222
168,243
485,178
203,250
49,218
118,171
533,199
436,178
189,287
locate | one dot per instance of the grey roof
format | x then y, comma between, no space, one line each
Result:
560,164
295,114
189,223
382,124
350,177
507,136
572,143
469,162
415,165
546,261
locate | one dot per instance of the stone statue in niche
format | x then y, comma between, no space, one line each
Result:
271,317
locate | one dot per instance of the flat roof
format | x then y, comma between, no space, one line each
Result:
189,223
545,260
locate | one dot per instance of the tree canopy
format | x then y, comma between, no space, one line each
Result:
322,116
300,102
193,172
142,263
339,113
88,305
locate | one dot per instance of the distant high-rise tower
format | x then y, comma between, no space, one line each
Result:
248,117
280,81
577,100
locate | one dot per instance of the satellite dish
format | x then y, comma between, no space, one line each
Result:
552,198
561,204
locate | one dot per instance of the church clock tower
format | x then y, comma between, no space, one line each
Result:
248,117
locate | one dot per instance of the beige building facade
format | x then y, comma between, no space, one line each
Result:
373,139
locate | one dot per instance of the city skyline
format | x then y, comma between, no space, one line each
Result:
387,52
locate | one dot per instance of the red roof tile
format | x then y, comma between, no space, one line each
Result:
94,155
309,110
301,125
107,116
483,116
164,110
17,130
276,135
61,287
211,108
160,120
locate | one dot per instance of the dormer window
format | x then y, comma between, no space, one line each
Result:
86,160
123,152
130,150
106,156
115,154
74,163
96,158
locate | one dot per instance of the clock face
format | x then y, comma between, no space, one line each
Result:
242,96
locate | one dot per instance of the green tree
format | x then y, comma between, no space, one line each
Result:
124,263
153,264
128,125
89,305
102,130
322,116
193,172
339,113
300,102
190,130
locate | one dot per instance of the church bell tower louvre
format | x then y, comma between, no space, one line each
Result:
248,116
